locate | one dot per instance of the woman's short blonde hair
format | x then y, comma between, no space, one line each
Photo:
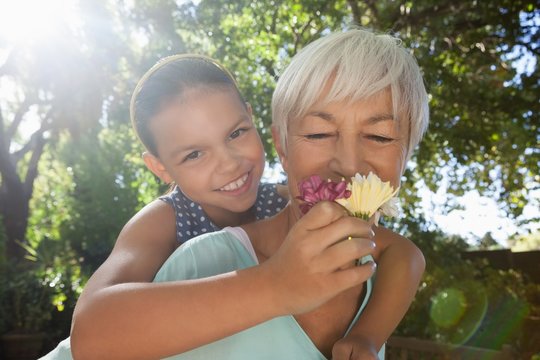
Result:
360,63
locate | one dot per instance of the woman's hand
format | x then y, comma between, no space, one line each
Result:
310,267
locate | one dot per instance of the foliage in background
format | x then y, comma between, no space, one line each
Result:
467,51
110,185
525,242
88,191
467,302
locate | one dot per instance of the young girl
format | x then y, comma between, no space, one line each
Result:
198,132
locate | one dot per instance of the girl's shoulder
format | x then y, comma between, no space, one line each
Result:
269,201
152,226
190,218
389,235
155,212
407,249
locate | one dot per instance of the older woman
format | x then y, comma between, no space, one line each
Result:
351,102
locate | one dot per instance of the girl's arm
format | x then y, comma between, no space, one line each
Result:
399,271
120,318
143,245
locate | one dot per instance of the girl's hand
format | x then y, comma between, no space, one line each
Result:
354,348
310,267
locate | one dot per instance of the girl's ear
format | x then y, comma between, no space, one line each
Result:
279,147
155,166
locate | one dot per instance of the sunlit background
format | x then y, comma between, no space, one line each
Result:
78,61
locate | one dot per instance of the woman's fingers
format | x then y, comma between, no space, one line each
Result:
328,222
352,276
343,252
322,214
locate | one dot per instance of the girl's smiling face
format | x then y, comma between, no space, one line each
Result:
339,139
208,145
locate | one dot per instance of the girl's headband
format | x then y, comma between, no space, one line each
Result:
161,63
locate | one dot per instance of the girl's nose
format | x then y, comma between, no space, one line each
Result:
228,160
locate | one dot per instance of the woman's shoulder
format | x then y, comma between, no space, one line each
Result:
206,255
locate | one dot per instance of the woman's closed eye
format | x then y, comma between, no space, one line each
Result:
318,136
380,138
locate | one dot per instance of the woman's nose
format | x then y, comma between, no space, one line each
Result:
349,159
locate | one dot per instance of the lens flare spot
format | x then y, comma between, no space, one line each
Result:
448,307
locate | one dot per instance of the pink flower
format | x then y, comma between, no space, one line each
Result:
316,189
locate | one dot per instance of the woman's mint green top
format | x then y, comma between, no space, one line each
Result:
228,250
216,253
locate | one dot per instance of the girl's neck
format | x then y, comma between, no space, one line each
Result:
267,235
223,218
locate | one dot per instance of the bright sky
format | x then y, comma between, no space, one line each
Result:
30,20
480,214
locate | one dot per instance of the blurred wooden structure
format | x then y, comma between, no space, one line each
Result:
402,348
527,262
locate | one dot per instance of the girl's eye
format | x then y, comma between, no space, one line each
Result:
236,133
317,136
193,155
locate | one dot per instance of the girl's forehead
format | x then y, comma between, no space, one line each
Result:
195,93
197,118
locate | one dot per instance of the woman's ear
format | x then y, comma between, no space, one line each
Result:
276,136
156,167
249,110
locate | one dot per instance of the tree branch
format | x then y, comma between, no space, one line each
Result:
45,125
355,10
10,178
399,21
298,35
3,141
5,66
32,170
275,17
529,47
373,8
12,129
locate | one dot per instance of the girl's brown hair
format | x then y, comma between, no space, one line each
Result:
169,78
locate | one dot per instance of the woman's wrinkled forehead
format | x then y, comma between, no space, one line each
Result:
332,92
339,86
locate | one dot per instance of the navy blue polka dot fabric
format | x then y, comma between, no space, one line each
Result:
191,220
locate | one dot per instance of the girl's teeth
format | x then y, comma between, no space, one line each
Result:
235,184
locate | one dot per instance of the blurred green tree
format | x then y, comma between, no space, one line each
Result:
57,85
